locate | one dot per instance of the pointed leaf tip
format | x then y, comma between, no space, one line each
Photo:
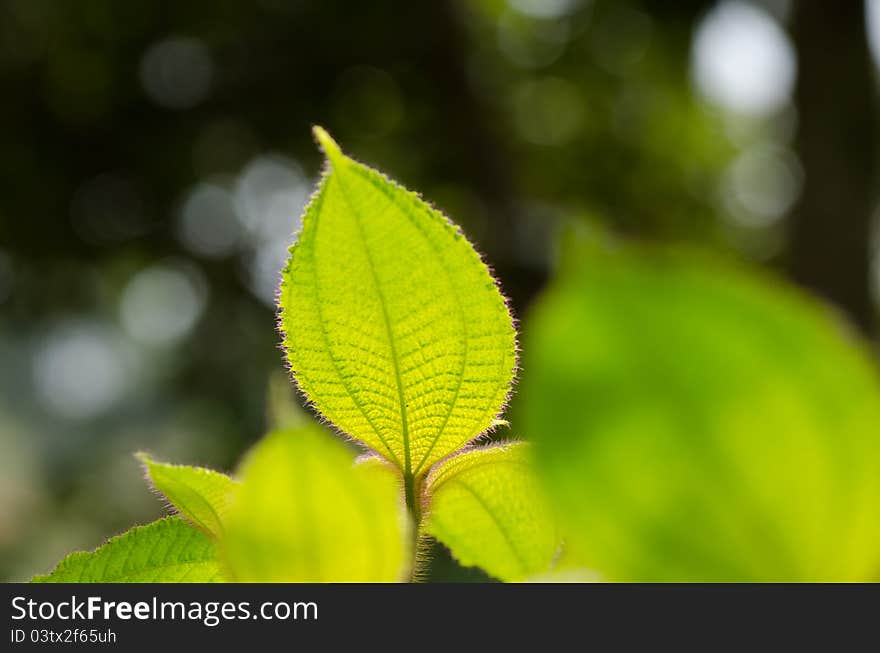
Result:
326,142
200,495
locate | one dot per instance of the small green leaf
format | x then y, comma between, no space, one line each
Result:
305,513
167,551
486,506
394,328
695,423
200,495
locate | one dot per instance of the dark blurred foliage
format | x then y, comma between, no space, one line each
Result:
155,157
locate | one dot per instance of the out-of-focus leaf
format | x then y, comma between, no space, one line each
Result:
565,575
487,507
695,423
167,551
305,513
282,409
394,328
200,495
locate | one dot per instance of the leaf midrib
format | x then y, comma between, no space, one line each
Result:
395,363
459,309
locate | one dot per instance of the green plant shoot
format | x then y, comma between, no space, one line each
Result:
398,335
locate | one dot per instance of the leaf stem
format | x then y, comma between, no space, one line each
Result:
413,507
412,500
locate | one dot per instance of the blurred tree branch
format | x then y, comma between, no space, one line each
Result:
830,237
473,124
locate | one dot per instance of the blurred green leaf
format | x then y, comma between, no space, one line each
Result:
305,513
282,409
696,423
201,495
395,329
167,551
487,507
565,575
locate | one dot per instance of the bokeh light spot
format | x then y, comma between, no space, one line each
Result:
207,224
161,304
761,185
742,60
81,369
176,73
269,197
872,27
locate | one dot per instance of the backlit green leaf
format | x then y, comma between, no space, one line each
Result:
200,495
695,423
394,328
167,551
305,513
486,506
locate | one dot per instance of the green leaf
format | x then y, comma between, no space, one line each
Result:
394,328
487,507
694,422
565,575
201,495
167,551
305,513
